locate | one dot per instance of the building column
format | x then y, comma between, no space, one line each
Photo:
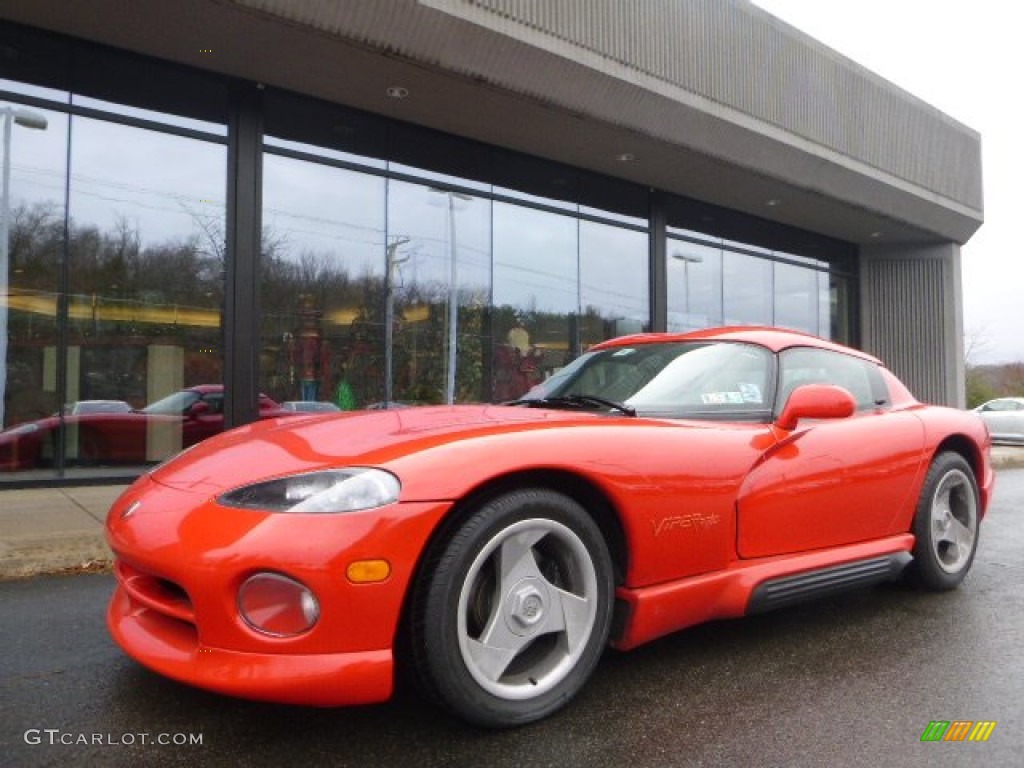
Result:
912,316
240,321
658,261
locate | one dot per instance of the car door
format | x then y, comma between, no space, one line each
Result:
833,481
204,418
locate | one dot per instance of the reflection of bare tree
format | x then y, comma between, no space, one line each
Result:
122,296
112,263
37,240
126,294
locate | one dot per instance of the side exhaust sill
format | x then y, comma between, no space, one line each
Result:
790,590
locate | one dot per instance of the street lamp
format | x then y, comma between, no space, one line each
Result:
453,291
27,119
389,316
687,260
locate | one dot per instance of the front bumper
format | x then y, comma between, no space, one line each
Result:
172,649
181,559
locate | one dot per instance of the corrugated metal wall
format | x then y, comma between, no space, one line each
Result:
907,305
733,53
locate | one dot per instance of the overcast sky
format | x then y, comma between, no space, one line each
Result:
965,58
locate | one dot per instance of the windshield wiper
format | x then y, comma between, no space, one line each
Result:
576,400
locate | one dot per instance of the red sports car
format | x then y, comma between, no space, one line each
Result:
657,482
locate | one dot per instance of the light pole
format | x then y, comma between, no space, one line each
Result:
389,316
28,119
687,260
453,291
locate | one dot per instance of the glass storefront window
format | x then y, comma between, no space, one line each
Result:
613,282
694,286
746,289
25,89
324,152
31,253
536,297
216,129
796,297
144,308
443,179
834,308
439,255
322,284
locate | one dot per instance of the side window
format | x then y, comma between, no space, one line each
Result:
804,365
215,401
1003,405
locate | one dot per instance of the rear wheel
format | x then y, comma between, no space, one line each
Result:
514,609
946,524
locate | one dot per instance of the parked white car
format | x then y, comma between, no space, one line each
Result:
1005,419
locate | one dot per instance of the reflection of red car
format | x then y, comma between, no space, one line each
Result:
654,483
125,436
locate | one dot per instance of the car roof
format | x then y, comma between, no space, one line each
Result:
216,389
205,389
775,339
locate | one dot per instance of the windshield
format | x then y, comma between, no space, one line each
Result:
175,404
712,380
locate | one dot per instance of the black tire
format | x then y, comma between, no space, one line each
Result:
512,611
945,525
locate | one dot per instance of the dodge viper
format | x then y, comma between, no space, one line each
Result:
656,482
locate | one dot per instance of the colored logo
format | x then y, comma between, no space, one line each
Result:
958,730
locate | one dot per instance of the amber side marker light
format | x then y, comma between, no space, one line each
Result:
368,571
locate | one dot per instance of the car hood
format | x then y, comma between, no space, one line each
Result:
306,443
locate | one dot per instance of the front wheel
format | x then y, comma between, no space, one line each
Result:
946,524
514,609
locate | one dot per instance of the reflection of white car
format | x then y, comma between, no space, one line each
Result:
96,406
1005,419
310,406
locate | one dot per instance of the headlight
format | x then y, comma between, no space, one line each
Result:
335,490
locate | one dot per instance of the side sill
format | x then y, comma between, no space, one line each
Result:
643,614
790,590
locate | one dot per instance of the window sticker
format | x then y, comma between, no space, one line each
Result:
751,393
722,398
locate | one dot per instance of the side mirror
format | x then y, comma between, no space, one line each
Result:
815,401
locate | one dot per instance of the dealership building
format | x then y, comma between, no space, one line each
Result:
212,204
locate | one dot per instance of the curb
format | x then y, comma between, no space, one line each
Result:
1007,457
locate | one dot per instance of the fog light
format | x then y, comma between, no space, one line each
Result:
277,605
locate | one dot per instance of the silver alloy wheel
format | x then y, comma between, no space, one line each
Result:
527,609
954,521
